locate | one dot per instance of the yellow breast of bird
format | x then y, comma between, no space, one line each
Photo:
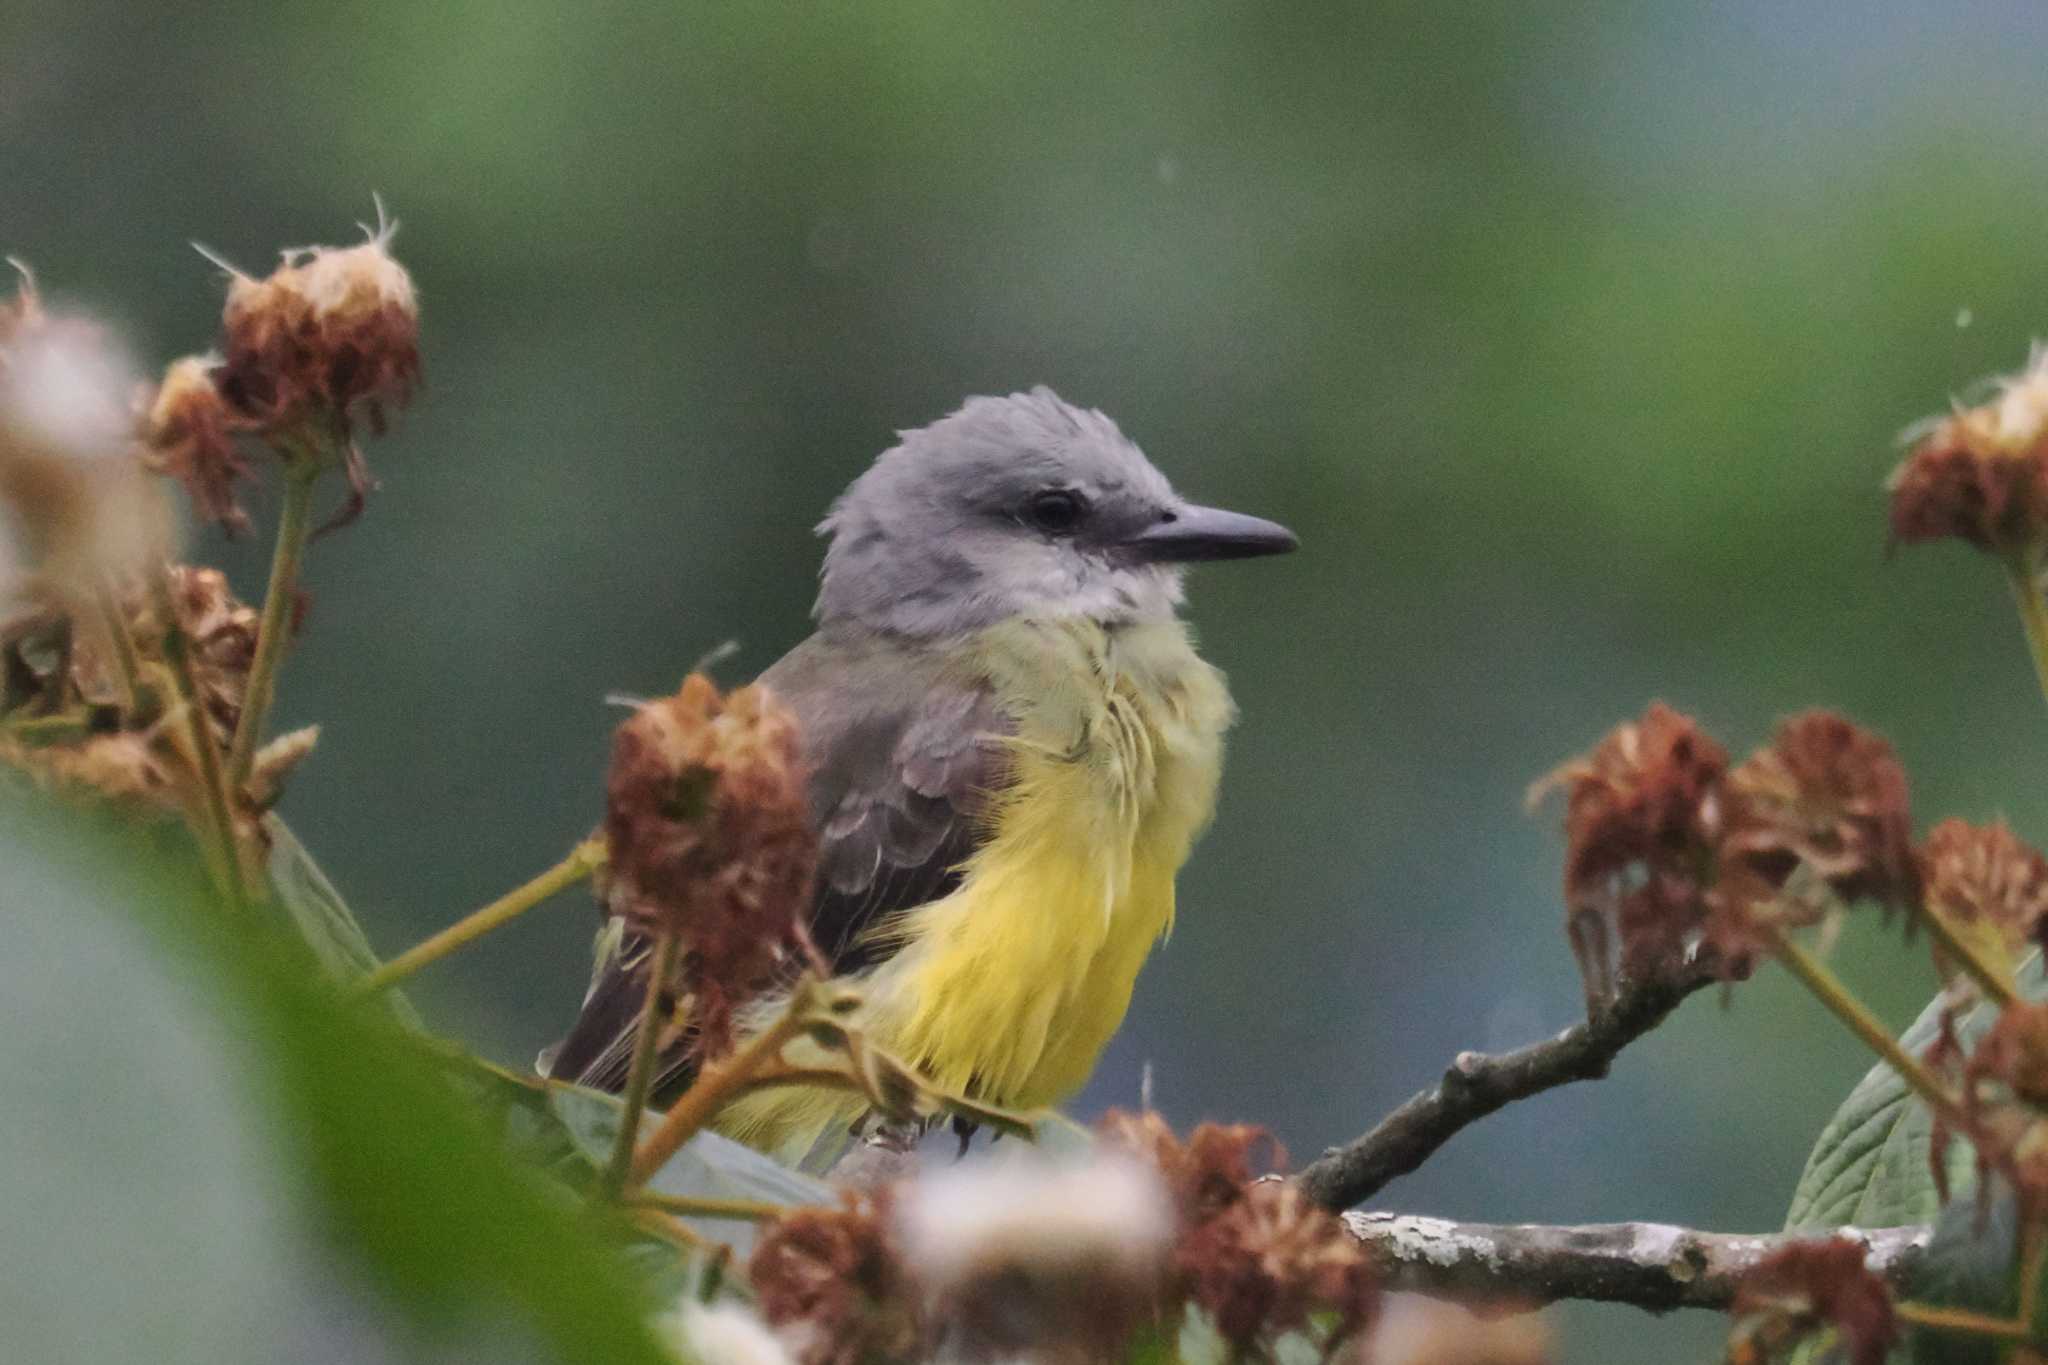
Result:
1009,988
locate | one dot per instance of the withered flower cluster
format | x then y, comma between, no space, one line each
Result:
1667,846
329,337
1255,1255
127,676
707,818
833,1284
1980,474
1804,1287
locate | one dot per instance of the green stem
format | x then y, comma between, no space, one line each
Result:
218,838
1961,1320
640,1079
2021,567
741,1210
584,859
120,647
302,471
1994,984
1828,987
717,1083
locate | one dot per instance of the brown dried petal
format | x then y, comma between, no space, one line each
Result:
1794,1291
835,1283
190,434
1208,1172
1832,796
1265,1263
1642,818
331,331
1985,872
708,821
1980,474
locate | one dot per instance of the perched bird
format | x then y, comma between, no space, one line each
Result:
1012,746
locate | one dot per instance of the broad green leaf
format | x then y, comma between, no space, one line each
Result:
322,917
707,1167
1870,1164
205,1158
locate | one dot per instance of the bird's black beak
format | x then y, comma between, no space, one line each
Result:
1189,533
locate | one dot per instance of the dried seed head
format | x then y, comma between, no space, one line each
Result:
1831,796
708,821
333,331
190,436
1985,873
1981,473
1209,1171
127,769
832,1283
1027,1259
1794,1292
84,507
2013,1053
1642,821
1265,1263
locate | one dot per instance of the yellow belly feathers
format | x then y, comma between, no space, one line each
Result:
1009,988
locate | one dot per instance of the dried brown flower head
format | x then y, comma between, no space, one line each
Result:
834,1285
1208,1172
132,771
1793,1292
1986,873
332,333
1262,1265
708,821
190,437
1642,820
1831,796
2014,1054
1980,473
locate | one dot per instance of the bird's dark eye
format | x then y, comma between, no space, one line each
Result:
1057,511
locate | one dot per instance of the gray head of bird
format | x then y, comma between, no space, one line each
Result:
1019,506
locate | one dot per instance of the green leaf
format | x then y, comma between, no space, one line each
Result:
708,1166
1870,1164
322,918
204,1157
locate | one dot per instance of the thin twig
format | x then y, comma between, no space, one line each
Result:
113,623
717,1083
302,472
218,837
584,859
738,1210
1962,1320
1997,986
1829,990
2022,569
1654,1266
1475,1085
640,1078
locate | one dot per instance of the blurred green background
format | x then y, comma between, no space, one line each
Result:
1573,344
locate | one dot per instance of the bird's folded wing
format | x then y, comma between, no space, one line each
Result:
907,748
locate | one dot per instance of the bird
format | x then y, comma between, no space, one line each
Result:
1012,746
